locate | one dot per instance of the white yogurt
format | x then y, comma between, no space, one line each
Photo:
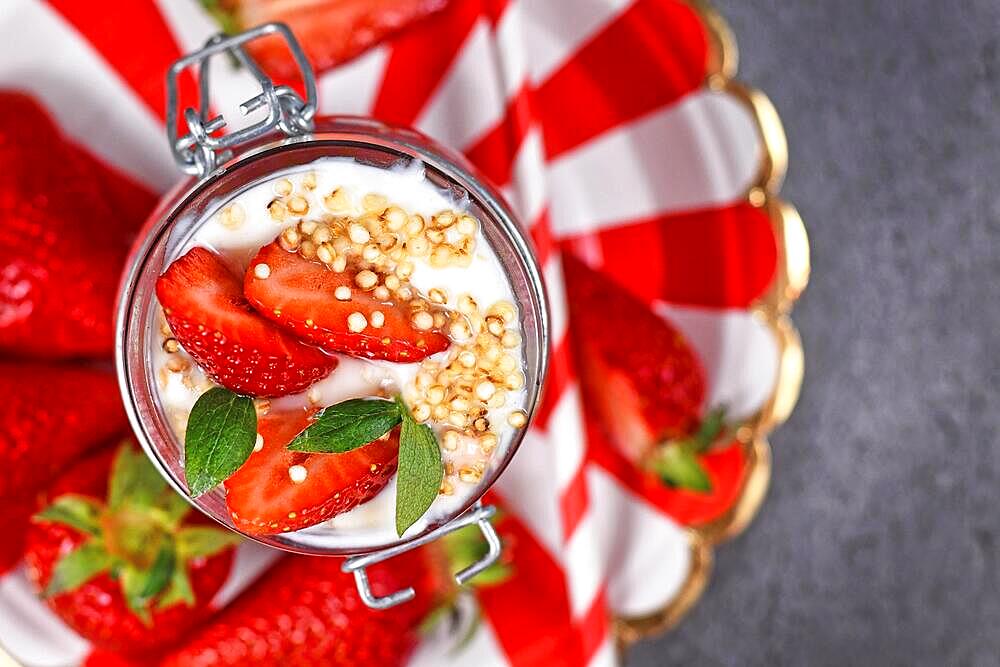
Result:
373,523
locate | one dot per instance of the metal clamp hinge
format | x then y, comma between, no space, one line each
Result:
200,150
479,515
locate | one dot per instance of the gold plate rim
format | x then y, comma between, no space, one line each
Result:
773,309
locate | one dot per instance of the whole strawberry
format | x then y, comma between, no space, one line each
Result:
62,244
132,201
306,611
119,558
640,378
51,414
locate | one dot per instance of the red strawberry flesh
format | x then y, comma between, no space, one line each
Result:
298,294
263,499
330,31
208,314
307,611
51,415
63,240
15,514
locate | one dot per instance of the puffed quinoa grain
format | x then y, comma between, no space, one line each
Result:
374,203
325,253
423,320
366,279
510,339
356,322
421,412
277,210
358,234
466,225
232,216
337,201
395,218
470,475
488,442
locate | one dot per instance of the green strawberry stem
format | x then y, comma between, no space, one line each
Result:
467,545
677,462
137,535
462,548
227,20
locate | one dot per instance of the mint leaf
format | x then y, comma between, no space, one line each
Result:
77,567
419,473
221,433
711,428
178,591
678,466
198,541
79,512
348,425
133,480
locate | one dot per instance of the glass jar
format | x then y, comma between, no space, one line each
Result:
192,202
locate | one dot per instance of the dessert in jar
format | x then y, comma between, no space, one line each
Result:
330,282
334,341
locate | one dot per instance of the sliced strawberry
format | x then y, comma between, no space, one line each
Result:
263,499
236,347
638,373
331,31
299,290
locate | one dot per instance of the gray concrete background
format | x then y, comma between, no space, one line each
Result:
878,543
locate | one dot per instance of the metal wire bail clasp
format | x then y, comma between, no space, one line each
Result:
198,152
479,515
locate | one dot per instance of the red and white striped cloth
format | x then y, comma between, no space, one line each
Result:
595,117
